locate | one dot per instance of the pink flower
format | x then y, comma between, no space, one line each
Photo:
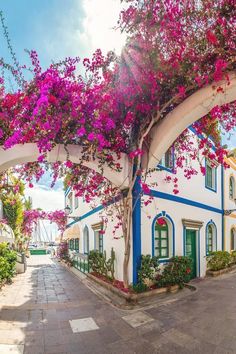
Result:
91,136
81,132
211,37
182,91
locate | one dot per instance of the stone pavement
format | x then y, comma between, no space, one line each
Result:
49,310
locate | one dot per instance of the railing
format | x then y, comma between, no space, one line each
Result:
80,262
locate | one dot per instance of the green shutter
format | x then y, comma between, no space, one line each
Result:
161,241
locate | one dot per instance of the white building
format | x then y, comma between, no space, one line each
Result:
191,223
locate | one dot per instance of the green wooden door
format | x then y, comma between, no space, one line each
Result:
190,249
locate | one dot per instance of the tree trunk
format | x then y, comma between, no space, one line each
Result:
126,225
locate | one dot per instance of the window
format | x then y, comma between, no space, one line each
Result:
86,240
69,201
98,241
210,238
76,202
210,177
71,244
231,187
77,244
232,240
98,237
161,239
167,160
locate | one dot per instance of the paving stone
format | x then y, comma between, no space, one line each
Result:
83,325
137,319
33,317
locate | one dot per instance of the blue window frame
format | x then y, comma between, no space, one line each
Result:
168,160
211,176
211,237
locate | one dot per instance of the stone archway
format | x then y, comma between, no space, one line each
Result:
189,111
20,154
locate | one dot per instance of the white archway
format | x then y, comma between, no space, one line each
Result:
20,154
185,114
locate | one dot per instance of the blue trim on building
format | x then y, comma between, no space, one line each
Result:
181,200
222,207
200,136
86,215
68,189
136,228
165,216
211,222
163,168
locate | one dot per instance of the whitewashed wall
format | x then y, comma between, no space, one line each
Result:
229,204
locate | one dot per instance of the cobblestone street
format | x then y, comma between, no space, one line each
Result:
49,310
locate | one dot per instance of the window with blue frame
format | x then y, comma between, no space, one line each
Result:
161,239
210,177
167,160
210,238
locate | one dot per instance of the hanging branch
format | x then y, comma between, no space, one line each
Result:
17,73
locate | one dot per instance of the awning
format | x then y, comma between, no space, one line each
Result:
71,232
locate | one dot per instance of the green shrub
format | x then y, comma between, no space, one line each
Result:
7,262
233,256
148,269
98,263
176,272
140,287
218,260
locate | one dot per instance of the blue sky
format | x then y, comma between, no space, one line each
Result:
57,29
60,28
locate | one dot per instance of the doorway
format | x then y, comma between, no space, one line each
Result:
191,250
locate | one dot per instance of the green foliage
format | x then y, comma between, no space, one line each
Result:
148,269
7,262
176,272
13,209
233,256
98,263
218,260
140,287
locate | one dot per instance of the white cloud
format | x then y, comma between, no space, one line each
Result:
83,27
100,19
48,200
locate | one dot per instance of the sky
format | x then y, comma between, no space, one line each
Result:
57,29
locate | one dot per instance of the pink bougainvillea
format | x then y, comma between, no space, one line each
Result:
32,216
